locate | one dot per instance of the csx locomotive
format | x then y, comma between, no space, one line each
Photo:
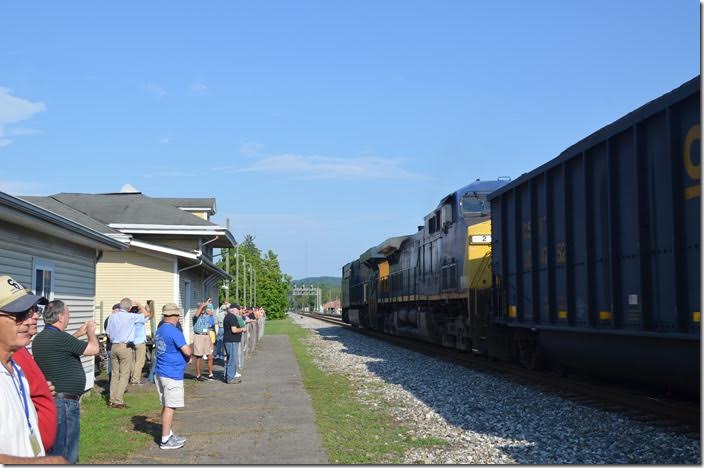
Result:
591,261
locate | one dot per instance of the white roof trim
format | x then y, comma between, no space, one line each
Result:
188,233
170,227
168,250
194,209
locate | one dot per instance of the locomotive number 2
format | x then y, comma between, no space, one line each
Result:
694,170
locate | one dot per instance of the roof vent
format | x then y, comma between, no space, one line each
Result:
128,188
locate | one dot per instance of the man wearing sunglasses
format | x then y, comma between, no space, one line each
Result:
20,441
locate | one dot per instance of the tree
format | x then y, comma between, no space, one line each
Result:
272,287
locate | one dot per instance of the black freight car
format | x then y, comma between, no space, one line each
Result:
596,253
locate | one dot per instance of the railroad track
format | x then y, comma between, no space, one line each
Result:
677,416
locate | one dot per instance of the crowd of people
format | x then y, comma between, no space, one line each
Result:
40,391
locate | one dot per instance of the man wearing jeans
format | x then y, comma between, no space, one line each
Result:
58,355
232,336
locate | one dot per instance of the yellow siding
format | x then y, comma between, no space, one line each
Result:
135,275
200,214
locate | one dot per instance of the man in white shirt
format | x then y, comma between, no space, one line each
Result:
121,333
20,441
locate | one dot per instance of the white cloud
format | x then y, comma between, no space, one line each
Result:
127,188
251,148
165,140
198,87
14,109
325,167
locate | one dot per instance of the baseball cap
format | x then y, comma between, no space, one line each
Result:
170,309
15,298
235,306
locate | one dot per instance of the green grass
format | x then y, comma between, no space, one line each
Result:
352,432
112,436
109,435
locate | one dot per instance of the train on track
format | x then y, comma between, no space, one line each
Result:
590,261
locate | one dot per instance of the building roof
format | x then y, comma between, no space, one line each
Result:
191,204
61,209
55,222
124,214
129,208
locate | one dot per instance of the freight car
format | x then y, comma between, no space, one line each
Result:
590,261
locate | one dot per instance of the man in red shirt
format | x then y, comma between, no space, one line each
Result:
41,396
39,389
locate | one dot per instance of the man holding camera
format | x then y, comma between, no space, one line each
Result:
58,354
121,333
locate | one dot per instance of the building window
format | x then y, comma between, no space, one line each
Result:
43,278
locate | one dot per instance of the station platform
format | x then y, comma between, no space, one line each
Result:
267,419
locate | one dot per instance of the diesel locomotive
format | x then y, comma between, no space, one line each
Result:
590,261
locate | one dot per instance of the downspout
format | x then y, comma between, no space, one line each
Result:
188,268
200,247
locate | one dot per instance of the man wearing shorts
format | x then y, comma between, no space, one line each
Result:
202,346
172,356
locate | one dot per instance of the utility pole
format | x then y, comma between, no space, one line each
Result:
251,284
244,268
237,273
227,264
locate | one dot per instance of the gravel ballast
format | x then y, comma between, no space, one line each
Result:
485,418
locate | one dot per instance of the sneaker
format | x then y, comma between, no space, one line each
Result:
180,440
237,375
234,381
211,377
172,443
200,378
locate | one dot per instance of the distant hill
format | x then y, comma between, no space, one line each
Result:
328,281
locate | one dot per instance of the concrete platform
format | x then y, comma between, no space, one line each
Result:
266,419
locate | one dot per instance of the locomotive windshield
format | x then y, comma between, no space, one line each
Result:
474,204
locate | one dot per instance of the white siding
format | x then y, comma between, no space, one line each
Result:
74,273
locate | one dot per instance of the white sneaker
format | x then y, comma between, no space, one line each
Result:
237,374
172,443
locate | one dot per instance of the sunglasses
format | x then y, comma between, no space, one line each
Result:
22,316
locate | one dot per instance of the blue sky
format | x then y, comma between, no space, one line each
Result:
321,127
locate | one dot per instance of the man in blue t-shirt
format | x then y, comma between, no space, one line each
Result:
172,356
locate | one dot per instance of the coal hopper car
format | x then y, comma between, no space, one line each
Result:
596,254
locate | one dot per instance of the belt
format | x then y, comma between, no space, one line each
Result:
202,333
66,396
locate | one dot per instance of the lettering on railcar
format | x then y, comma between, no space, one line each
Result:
693,168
